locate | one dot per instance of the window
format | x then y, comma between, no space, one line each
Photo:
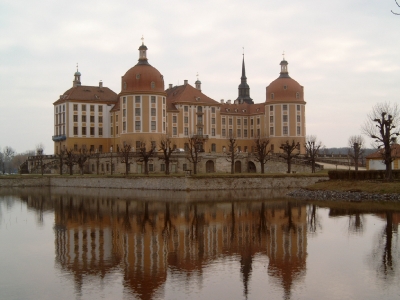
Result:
83,130
173,119
245,122
100,130
84,118
245,133
112,130
251,122
83,107
213,110
271,130
75,107
100,119
271,108
186,120
111,119
124,126
124,113
213,147
163,100
152,84
91,130
285,118
186,146
230,121
116,118
224,132
258,133
223,121
75,130
137,125
258,121
153,125
298,107
238,122
91,107
285,87
153,112
212,120
137,111
230,132
100,108
137,145
151,168
285,130
75,118
298,130
297,95
251,133
298,118
162,167
163,113
184,166
92,119
271,119
153,99
284,106
75,147
272,95
92,148
116,130
186,108
124,100
212,131
239,133
174,130
186,131
137,99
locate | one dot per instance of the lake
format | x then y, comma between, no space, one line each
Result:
58,243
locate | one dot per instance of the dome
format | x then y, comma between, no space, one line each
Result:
142,78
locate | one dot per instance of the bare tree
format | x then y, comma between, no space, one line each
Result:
81,158
70,160
146,153
382,125
40,157
398,6
61,156
262,151
233,152
8,155
289,152
195,144
312,149
126,156
166,150
356,144
96,156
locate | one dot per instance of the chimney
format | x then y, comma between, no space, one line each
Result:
185,82
100,84
222,101
228,101
170,86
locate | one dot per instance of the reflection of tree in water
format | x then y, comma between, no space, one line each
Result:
313,220
168,226
356,223
385,254
127,219
144,218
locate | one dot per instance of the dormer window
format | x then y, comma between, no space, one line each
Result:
297,95
285,87
153,84
137,76
272,95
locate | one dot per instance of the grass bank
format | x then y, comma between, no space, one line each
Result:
374,187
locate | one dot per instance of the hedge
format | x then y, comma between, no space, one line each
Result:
361,175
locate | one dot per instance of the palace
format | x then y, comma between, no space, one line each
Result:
96,118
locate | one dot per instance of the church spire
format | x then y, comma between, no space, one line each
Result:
244,89
77,75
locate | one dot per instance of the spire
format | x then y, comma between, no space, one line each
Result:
198,82
244,89
77,75
143,53
284,69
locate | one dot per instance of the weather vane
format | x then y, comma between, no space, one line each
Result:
142,40
283,54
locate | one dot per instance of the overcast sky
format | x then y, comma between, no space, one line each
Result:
344,52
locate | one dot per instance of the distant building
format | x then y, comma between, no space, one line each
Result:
375,160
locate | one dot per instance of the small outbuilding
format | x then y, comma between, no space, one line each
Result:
375,160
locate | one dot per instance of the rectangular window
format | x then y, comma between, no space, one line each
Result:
100,119
153,99
162,167
212,120
151,168
238,122
100,130
230,121
184,166
124,126
298,130
116,130
186,120
251,122
91,107
239,133
298,118
271,119
186,131
174,130
153,112
230,132
251,133
271,130
223,132
212,131
124,100
137,125
163,100
285,130
137,111
75,118
245,133
83,130
153,125
83,107
213,147
100,108
75,130
137,145
124,112
258,121
213,109
116,118
271,108
91,130
186,108
173,119
137,99
284,106
84,118
258,133
92,119
298,107
112,130
163,113
111,119
245,122
285,118
75,107
223,121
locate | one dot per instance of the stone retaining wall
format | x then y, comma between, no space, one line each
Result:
165,183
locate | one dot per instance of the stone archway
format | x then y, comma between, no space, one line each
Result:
210,166
238,166
252,167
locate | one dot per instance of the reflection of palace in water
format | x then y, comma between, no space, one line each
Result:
149,241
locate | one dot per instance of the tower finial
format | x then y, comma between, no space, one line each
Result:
243,51
77,67
142,40
197,75
283,55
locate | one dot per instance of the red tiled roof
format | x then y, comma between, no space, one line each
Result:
242,109
89,94
378,154
187,94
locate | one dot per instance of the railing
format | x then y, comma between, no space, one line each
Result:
59,138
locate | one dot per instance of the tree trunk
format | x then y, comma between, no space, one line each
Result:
70,170
195,168
166,167
262,167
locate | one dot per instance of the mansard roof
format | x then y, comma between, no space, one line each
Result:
242,109
84,93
